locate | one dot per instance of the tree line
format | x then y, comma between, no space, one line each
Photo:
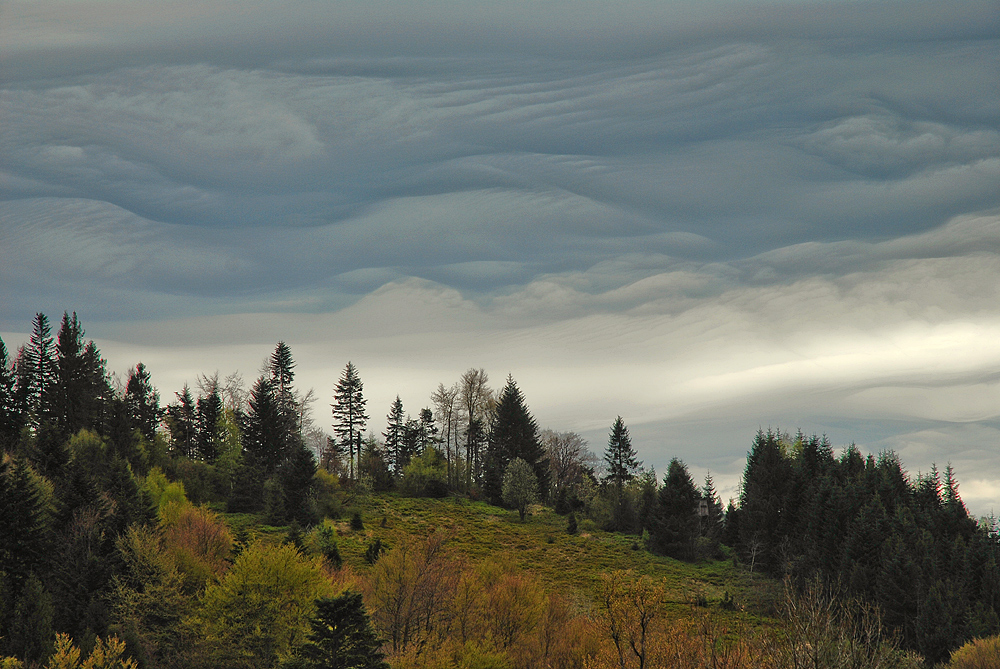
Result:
88,460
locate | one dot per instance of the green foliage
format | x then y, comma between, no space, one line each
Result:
356,523
30,634
168,497
513,434
326,543
341,636
676,525
374,551
571,527
620,457
258,614
520,486
426,475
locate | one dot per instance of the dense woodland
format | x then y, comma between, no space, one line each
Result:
207,532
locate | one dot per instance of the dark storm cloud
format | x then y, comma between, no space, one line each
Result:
774,212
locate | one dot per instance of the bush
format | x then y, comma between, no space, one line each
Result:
571,527
977,654
426,475
356,523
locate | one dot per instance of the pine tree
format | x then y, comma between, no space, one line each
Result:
263,442
349,417
513,434
209,413
394,435
182,423
40,373
342,636
711,523
10,418
142,402
620,457
676,525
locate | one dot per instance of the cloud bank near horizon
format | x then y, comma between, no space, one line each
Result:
706,217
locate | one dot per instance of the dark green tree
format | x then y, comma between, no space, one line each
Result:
30,637
182,421
513,434
209,411
342,636
349,417
676,525
395,435
762,502
142,402
11,420
25,522
41,367
620,457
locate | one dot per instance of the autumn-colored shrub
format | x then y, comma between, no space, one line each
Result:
977,654
200,543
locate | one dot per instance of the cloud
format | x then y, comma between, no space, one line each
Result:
704,216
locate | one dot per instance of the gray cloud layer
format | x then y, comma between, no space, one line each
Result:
743,213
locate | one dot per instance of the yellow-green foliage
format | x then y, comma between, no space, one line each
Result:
200,543
258,613
977,654
168,496
11,663
107,654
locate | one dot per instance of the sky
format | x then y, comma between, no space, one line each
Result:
706,217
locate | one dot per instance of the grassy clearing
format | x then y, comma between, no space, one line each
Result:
569,564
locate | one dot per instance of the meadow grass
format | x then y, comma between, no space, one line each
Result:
571,565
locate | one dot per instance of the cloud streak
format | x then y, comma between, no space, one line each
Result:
703,216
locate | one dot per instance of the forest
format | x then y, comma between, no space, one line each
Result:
226,528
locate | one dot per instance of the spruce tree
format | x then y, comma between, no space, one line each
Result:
142,402
676,525
513,434
182,423
349,417
342,636
209,413
620,457
395,433
10,417
40,373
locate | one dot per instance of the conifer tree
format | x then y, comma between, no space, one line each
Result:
620,456
342,636
209,413
395,434
349,417
40,372
513,434
10,417
142,402
676,525
182,423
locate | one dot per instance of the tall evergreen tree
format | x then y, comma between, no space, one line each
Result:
142,402
620,456
41,372
395,435
342,636
349,417
10,416
262,442
209,414
182,421
513,434
676,525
